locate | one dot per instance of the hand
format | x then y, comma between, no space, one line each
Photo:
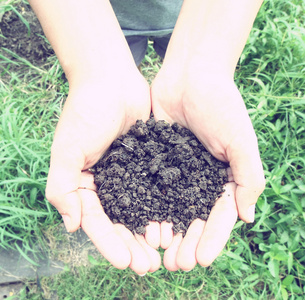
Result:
96,112
210,105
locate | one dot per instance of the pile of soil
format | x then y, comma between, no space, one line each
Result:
158,172
30,45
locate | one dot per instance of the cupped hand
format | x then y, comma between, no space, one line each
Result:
210,105
96,112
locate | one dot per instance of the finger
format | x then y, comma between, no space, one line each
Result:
152,234
218,227
153,254
63,181
166,234
248,174
61,192
140,260
87,181
230,175
69,206
101,231
186,257
170,254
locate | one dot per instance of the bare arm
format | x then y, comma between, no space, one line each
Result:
213,33
107,94
85,35
195,87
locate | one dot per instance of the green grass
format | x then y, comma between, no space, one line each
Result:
261,261
30,107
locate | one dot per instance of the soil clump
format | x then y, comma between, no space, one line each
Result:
158,172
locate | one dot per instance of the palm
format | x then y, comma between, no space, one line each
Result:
214,111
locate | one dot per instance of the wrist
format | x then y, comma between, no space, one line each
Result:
103,75
196,69
193,58
212,33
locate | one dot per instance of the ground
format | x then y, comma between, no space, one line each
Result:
23,36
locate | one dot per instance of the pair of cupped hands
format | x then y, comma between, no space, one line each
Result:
101,108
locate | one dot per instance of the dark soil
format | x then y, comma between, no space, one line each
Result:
158,172
30,45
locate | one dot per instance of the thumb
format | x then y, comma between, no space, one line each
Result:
61,191
248,174
246,198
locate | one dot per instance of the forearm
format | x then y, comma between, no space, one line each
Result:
85,35
213,33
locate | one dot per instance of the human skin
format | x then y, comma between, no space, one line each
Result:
107,95
195,88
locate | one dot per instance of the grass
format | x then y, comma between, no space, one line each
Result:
261,261
30,107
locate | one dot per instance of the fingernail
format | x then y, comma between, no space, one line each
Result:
67,222
251,213
142,275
